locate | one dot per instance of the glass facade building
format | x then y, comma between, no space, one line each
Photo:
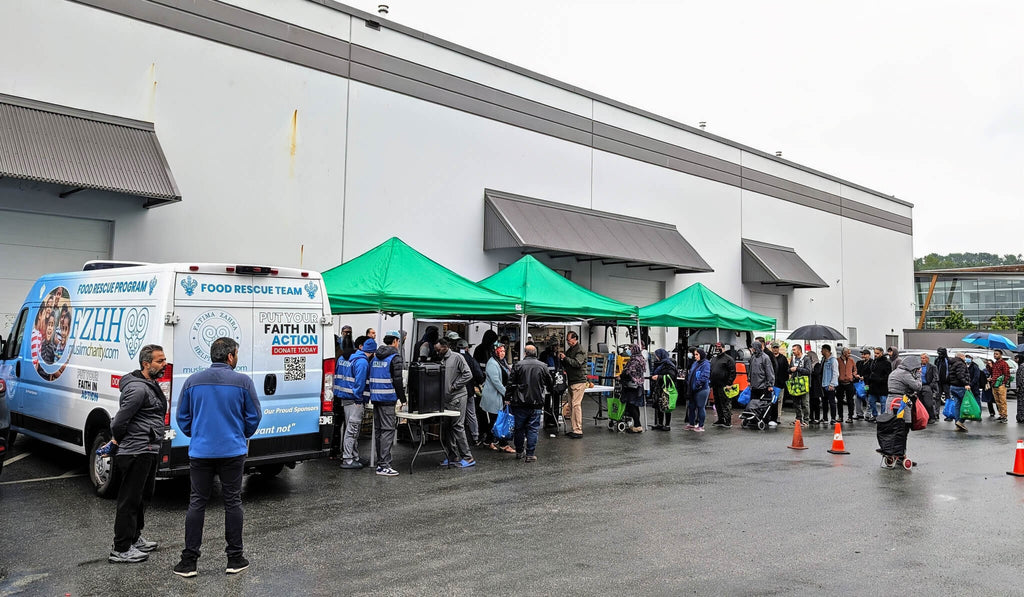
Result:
979,295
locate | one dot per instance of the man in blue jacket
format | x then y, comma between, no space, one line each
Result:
218,408
351,387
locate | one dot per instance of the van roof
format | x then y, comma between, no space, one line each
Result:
130,267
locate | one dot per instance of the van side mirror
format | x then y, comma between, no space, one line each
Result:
3,349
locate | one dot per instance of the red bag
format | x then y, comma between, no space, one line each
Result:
920,416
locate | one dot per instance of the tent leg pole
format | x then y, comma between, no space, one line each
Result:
523,329
639,341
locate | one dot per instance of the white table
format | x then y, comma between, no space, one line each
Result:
600,404
420,418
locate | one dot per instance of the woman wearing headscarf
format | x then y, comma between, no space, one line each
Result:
493,396
424,349
632,378
699,382
663,367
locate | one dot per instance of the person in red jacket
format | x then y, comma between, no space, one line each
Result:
1000,379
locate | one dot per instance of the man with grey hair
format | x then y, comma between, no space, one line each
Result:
453,429
137,431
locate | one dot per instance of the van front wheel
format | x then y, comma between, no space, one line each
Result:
101,469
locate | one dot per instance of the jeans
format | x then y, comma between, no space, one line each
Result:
353,422
384,422
577,390
201,473
957,394
138,480
453,430
696,407
723,405
877,404
845,393
527,427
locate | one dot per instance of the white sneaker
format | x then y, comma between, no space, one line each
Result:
773,424
386,471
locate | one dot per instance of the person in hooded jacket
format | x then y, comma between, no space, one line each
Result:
632,378
760,373
352,389
802,366
699,381
878,383
472,391
975,374
929,378
862,375
386,390
663,367
424,349
723,374
942,372
137,431
894,357
903,382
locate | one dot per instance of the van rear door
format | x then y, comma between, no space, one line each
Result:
208,306
287,360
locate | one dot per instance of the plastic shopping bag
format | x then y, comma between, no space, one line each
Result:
504,424
921,416
949,409
858,387
970,409
744,398
669,388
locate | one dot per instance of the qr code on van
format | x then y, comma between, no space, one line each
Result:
294,368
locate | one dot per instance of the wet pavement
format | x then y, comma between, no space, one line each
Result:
726,512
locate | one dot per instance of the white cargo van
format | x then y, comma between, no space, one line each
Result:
78,333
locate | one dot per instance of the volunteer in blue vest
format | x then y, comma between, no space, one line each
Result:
350,387
385,390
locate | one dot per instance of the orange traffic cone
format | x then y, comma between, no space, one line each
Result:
838,446
798,438
1018,461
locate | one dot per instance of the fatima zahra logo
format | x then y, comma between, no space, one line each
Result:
136,325
152,285
311,289
189,284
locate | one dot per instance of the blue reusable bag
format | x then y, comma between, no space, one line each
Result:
744,398
858,387
949,410
504,424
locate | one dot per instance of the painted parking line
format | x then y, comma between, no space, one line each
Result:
14,459
68,475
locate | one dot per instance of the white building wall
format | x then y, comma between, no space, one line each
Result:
362,164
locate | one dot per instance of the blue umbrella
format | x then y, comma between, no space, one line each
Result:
991,341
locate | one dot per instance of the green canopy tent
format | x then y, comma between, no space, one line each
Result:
395,278
698,307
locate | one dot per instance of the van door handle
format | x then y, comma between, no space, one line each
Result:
269,384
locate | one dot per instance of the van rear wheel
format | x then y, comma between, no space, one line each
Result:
101,470
270,470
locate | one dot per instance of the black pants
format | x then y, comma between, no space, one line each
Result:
816,404
201,473
845,393
633,411
663,417
723,405
828,397
138,481
773,412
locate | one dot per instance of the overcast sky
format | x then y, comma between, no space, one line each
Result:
921,100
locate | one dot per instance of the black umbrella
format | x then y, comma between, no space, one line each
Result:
816,332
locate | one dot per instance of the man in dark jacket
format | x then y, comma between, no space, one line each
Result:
929,379
219,409
574,361
530,379
386,390
959,381
942,371
137,430
723,373
781,377
878,383
453,429
862,374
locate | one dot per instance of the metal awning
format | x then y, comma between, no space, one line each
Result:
776,265
514,221
81,150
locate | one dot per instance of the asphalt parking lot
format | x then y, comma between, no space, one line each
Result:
726,512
